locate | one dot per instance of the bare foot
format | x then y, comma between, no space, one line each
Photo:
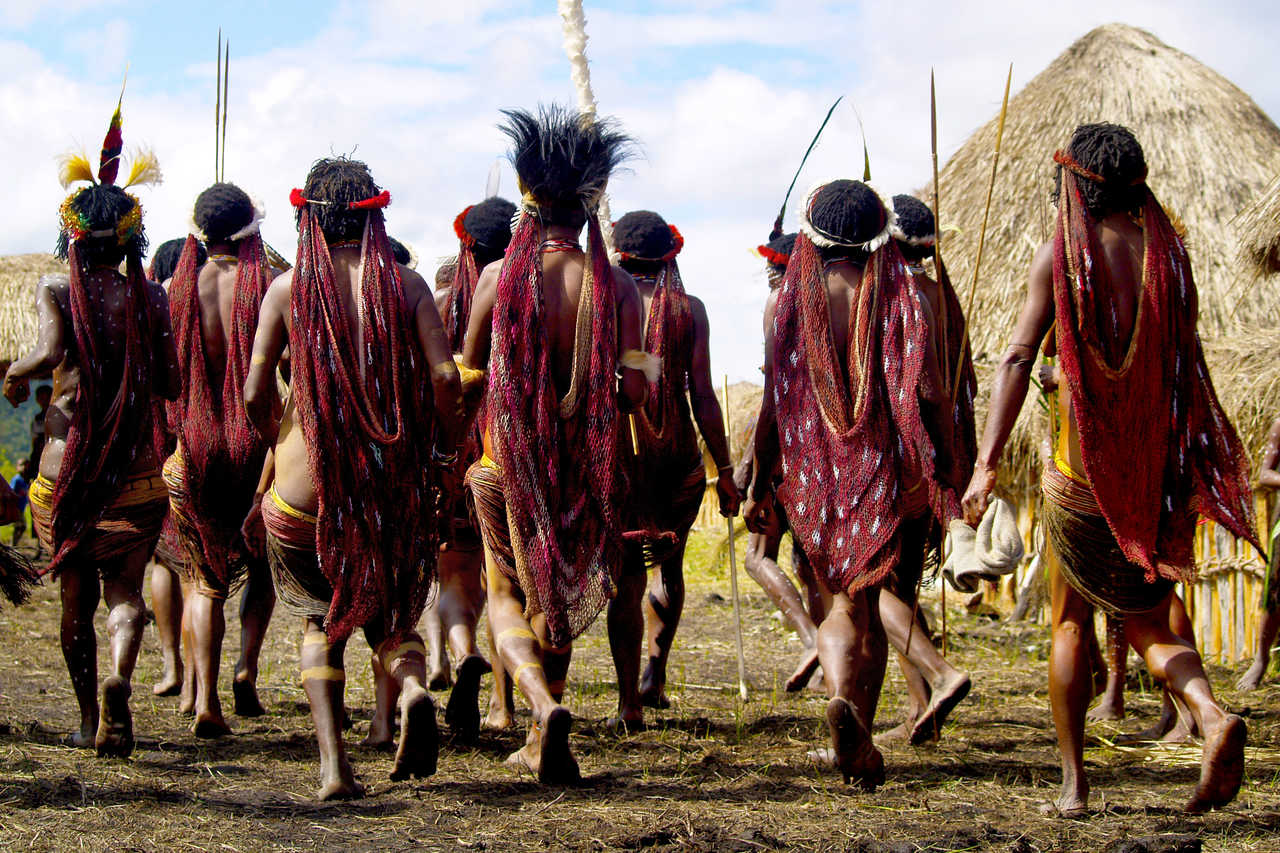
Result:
1181,732
1252,676
1070,806
824,757
900,732
462,713
855,755
497,719
799,679
419,746
187,699
247,703
170,684
340,789
1108,708
82,739
652,692
546,754
1221,766
440,677
115,723
941,703
627,721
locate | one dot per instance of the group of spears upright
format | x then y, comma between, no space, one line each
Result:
337,440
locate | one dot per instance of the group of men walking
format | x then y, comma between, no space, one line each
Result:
525,439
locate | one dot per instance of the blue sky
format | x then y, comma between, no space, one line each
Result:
722,96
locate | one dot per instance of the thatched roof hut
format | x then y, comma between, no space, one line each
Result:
1210,150
18,276
1259,229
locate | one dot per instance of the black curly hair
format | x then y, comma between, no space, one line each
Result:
915,220
165,260
1113,152
564,161
850,213
489,224
645,235
339,180
101,207
222,210
400,252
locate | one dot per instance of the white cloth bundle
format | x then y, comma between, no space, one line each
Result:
993,550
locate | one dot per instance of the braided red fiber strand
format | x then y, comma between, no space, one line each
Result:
366,415
850,448
559,459
1149,474
106,432
962,444
222,450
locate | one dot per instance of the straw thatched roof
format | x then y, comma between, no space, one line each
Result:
1210,150
1259,228
18,277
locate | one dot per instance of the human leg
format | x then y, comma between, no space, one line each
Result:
1070,689
625,620
546,751
404,661
662,608
122,592
1175,661
1111,705
208,627
166,603
324,681
853,652
459,605
257,602
187,698
78,586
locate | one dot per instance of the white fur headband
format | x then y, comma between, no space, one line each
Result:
823,240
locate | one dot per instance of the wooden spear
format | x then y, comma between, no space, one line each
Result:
733,561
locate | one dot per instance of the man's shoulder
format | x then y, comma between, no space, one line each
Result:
57,282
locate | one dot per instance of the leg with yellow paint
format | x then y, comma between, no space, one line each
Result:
324,680
403,661
187,698
546,752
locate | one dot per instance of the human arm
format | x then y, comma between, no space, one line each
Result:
707,412
766,438
445,383
632,384
49,350
1269,477
260,399
252,530
1009,387
476,345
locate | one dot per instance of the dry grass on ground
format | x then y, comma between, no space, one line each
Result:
715,774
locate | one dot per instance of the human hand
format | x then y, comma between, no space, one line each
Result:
16,391
730,495
1048,374
978,495
253,531
758,514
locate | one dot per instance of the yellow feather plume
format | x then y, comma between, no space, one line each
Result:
73,168
145,169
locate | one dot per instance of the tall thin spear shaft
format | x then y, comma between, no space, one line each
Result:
733,564
217,112
226,82
982,235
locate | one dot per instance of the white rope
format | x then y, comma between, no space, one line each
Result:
574,24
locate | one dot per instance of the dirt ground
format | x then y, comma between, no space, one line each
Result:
715,774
